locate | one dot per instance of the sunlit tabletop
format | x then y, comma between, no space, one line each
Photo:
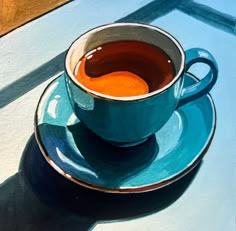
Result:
32,55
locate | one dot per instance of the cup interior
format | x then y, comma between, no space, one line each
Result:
125,31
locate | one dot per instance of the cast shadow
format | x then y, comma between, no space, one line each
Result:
54,190
99,160
112,164
38,198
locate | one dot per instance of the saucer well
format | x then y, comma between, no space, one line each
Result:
82,157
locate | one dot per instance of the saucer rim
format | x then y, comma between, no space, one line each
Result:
126,190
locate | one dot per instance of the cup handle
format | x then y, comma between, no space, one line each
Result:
199,55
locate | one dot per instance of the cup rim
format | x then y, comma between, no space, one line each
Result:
125,98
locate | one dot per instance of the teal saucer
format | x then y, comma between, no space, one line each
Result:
82,157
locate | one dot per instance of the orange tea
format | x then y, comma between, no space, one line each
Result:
125,68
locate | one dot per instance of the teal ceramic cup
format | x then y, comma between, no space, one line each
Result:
128,121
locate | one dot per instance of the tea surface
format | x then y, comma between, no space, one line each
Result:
125,68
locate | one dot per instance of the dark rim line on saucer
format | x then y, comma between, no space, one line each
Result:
140,189
128,98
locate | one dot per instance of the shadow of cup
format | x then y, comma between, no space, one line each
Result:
113,164
55,190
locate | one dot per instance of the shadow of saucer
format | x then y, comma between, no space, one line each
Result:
55,190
